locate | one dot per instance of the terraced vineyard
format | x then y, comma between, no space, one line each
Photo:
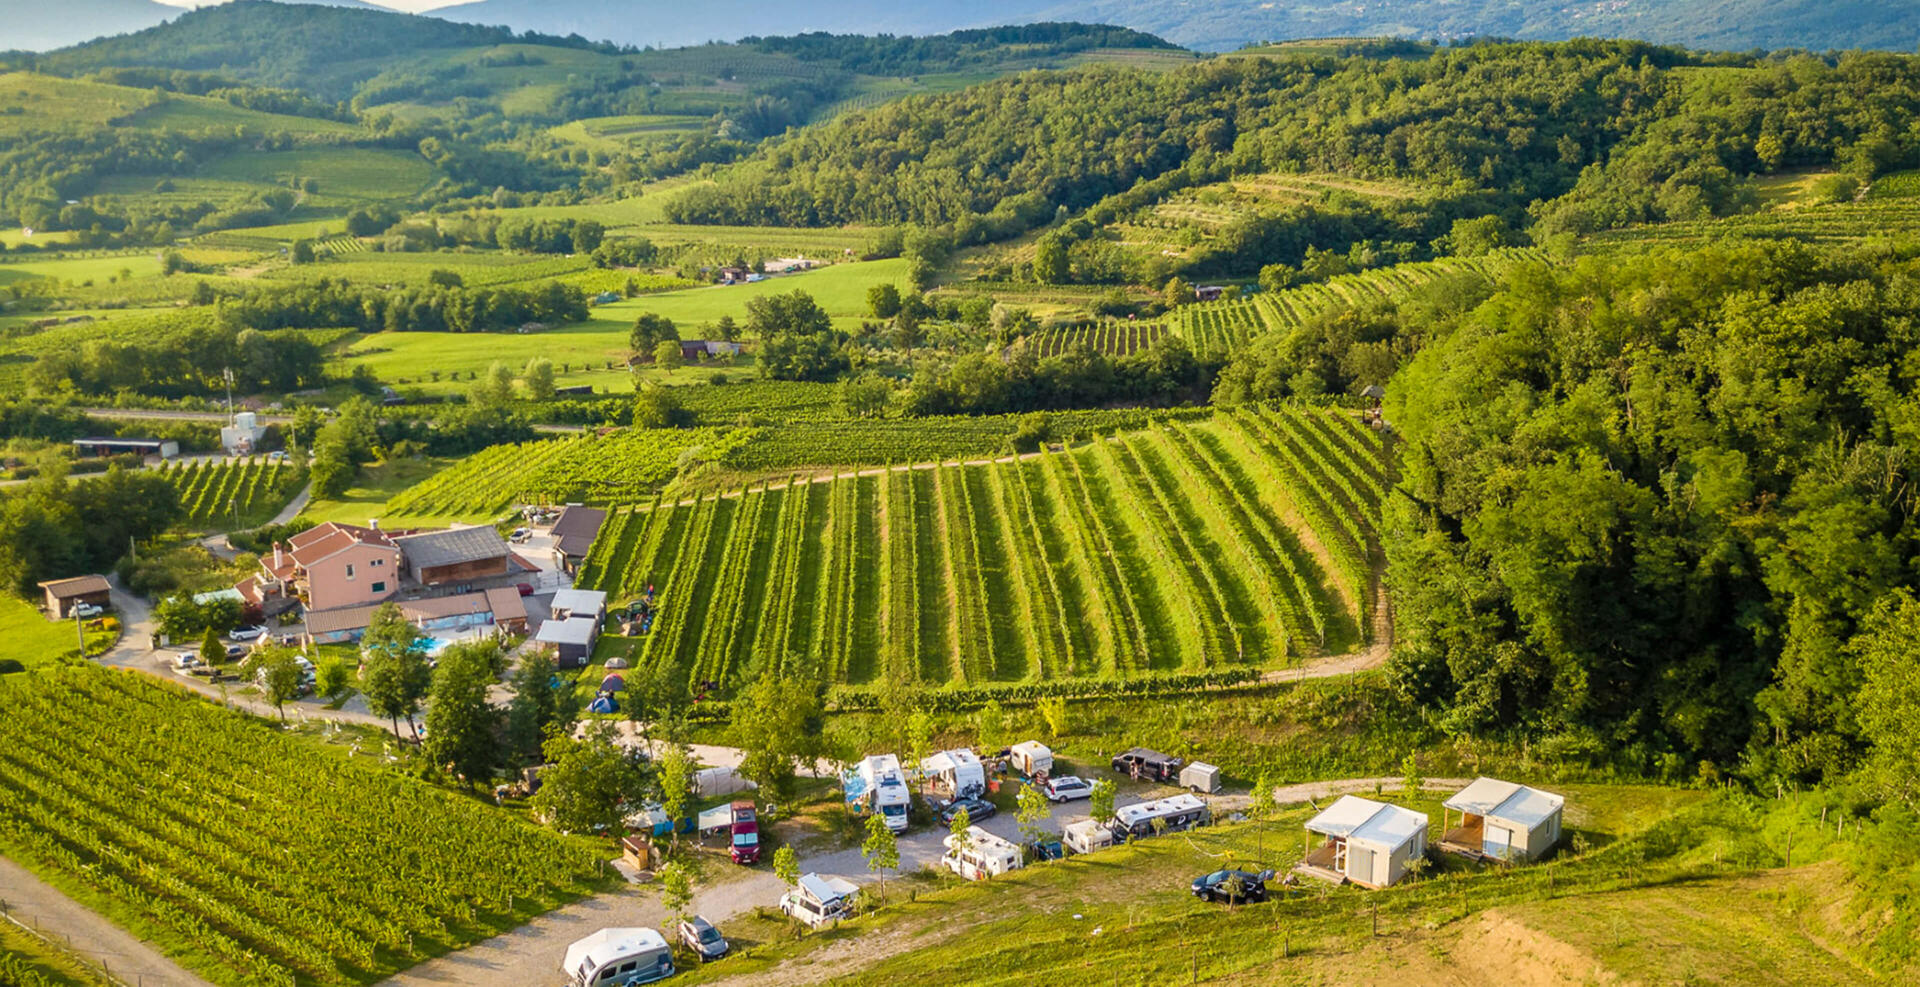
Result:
1241,540
621,467
1112,337
262,859
1227,324
1873,218
234,494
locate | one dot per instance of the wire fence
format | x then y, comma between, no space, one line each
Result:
107,966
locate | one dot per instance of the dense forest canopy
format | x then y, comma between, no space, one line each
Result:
1648,502
1583,135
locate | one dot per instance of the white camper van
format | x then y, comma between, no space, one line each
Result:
1086,836
984,855
618,958
876,785
819,901
957,773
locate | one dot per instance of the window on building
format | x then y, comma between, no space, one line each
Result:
349,570
379,587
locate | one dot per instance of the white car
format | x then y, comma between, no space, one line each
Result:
520,535
248,633
1067,787
185,661
87,610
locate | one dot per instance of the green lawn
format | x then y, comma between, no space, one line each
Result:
82,269
581,352
28,637
367,499
359,173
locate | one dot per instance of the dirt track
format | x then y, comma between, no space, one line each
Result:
122,954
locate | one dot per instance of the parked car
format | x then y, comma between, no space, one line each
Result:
977,809
276,455
185,661
1235,887
87,610
248,633
526,589
235,652
699,935
520,534
1066,788
1142,764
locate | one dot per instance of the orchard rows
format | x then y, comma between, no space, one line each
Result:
1242,540
233,493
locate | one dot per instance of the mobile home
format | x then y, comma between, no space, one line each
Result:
983,855
1086,836
1168,815
618,958
956,772
1370,843
819,901
876,785
1500,820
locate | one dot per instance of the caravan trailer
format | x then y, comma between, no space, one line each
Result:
876,785
618,958
956,772
984,855
1171,814
1031,758
1086,836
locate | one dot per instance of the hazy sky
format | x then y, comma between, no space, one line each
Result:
412,5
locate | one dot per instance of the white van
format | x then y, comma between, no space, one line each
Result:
1086,836
618,958
984,855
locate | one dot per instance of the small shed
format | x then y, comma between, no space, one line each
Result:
571,639
1370,843
62,595
579,603
1200,777
1500,820
1031,758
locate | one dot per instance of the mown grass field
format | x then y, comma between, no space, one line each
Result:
28,637
1642,868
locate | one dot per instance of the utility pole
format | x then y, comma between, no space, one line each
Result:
227,372
80,631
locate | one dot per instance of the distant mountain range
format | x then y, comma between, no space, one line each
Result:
1203,24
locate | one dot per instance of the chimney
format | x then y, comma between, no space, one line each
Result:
374,524
279,556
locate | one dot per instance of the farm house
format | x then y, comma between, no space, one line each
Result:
1500,820
1370,843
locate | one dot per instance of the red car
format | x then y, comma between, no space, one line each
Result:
526,589
746,833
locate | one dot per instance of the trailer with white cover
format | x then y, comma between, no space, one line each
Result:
981,855
618,958
1370,843
877,785
1031,758
1200,777
1500,820
956,772
1086,836
1168,815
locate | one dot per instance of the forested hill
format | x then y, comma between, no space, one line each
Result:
1576,136
322,50
1218,25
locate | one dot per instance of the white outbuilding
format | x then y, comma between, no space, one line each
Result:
1373,844
1500,820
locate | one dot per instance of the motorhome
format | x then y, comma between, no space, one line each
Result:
618,958
1168,815
877,785
958,773
745,830
1087,836
981,855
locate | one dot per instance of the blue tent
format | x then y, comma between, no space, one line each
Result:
604,704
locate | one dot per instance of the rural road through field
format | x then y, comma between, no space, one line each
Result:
42,907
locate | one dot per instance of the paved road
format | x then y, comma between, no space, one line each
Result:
35,903
264,418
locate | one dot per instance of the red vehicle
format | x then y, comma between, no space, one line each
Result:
746,833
